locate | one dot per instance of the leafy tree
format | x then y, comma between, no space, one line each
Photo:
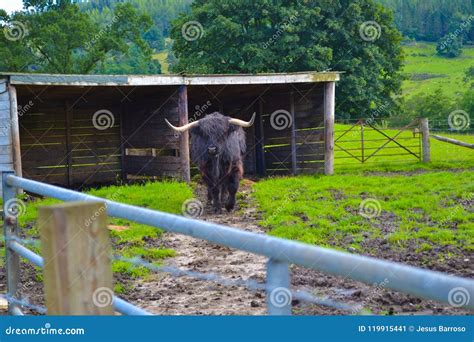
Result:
287,36
467,102
449,46
431,20
132,63
161,13
60,38
469,77
434,106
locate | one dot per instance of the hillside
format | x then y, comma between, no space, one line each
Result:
426,71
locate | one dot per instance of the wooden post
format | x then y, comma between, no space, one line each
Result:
68,120
329,108
293,133
77,272
10,229
259,140
123,165
15,131
184,137
425,139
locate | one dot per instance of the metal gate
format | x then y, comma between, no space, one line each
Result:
365,141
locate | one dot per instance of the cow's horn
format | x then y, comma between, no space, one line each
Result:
182,128
241,122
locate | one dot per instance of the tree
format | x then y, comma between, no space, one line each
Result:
435,106
59,38
237,36
431,20
449,46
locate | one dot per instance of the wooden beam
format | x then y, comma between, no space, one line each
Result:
69,118
329,109
123,166
293,133
452,141
75,246
15,131
259,140
425,140
184,137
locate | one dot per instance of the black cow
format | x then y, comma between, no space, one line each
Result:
217,147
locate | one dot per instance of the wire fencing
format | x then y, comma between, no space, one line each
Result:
280,253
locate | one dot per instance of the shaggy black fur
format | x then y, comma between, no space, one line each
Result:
221,171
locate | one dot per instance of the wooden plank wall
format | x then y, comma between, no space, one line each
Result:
151,147
309,111
60,145
95,153
309,128
6,159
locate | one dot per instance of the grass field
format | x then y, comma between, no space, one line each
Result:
325,211
426,71
443,155
161,57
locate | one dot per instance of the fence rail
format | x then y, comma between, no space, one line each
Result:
407,279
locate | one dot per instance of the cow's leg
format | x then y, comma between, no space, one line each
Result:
216,203
233,185
208,181
209,195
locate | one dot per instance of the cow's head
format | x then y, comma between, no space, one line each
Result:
212,132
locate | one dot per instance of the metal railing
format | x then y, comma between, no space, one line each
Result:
280,252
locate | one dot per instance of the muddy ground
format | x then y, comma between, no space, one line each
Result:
163,294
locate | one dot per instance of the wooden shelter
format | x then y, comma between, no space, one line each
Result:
80,130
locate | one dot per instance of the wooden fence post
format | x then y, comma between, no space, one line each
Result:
184,136
77,271
329,108
15,131
425,140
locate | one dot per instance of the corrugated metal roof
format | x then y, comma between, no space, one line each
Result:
167,79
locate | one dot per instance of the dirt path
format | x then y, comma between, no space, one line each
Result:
167,295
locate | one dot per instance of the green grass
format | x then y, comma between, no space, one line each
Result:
421,61
425,208
162,58
132,242
443,155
